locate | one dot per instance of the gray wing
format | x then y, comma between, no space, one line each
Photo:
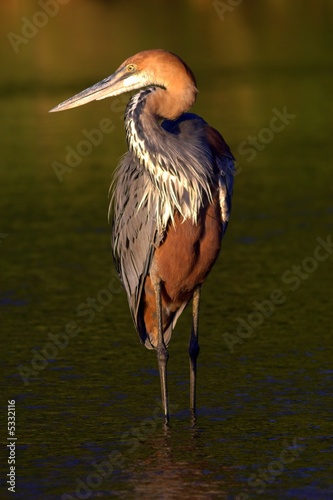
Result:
215,149
224,162
134,234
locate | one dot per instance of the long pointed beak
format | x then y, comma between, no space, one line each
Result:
113,85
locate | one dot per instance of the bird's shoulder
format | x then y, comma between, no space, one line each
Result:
217,144
190,124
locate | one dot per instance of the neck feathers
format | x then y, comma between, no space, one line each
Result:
179,169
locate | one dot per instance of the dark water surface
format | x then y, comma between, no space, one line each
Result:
88,420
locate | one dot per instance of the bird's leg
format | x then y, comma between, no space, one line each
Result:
162,353
194,348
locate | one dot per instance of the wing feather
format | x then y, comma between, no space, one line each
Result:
134,235
224,161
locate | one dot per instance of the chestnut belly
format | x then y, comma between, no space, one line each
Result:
181,263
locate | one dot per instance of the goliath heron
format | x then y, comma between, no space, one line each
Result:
171,199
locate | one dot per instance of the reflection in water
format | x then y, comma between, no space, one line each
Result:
177,468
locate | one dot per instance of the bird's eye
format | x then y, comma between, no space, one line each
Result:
130,68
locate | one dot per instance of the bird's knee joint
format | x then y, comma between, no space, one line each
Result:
194,350
162,354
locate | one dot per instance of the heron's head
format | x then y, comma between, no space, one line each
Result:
157,68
